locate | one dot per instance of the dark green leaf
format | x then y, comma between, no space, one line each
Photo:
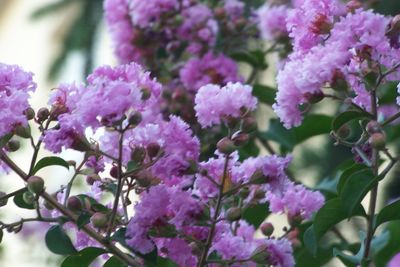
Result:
4,139
256,215
249,150
49,161
19,201
346,174
389,213
264,94
132,166
114,262
355,188
58,242
83,219
329,215
276,132
391,248
345,117
256,59
313,125
83,258
163,262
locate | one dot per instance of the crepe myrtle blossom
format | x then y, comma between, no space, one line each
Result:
356,41
213,103
214,69
15,86
272,21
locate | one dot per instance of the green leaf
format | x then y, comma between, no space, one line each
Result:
348,260
333,212
83,258
58,242
345,117
83,219
347,173
355,188
256,58
313,125
389,213
256,215
4,139
382,257
163,262
19,201
249,150
49,161
132,166
264,94
114,262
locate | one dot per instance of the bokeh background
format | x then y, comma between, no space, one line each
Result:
62,40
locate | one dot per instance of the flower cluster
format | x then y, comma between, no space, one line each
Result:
346,49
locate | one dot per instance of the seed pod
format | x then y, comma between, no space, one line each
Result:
99,220
267,229
74,204
35,184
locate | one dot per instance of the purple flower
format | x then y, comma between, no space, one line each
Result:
395,261
213,103
272,21
215,69
296,200
118,19
15,85
144,13
280,253
177,250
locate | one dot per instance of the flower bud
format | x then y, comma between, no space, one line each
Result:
267,229
295,220
378,141
144,179
249,124
259,193
395,23
146,94
35,184
344,132
260,255
138,154
233,214
196,249
232,122
321,24
24,132
29,113
90,179
43,114
28,197
244,192
240,23
153,149
314,98
226,146
240,139
353,5
373,127
99,220
74,204
13,145
135,119
219,12
114,172
4,201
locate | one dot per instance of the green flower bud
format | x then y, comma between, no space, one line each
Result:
28,197
244,192
24,132
99,220
138,154
13,145
260,255
295,220
233,214
43,114
35,184
153,149
226,146
378,141
135,119
373,127
344,131
240,139
314,98
29,113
